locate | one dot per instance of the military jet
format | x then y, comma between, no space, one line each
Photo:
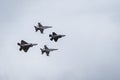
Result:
47,50
55,36
25,46
41,27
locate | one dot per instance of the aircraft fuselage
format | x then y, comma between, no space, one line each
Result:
57,36
44,27
30,45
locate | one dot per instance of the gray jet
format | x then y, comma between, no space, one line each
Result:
55,36
46,50
41,27
25,46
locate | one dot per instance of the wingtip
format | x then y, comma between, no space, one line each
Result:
55,40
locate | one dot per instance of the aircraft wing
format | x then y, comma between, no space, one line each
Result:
45,47
41,30
23,42
54,33
39,24
26,48
47,53
56,39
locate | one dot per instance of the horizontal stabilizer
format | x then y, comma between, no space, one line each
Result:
20,48
36,29
42,50
51,38
18,44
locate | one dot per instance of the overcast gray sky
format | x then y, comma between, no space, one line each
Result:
90,51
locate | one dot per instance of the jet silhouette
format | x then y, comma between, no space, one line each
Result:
25,46
55,36
46,50
41,27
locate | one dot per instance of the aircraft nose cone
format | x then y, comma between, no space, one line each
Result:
35,44
63,35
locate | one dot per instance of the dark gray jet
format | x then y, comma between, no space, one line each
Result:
41,27
46,50
25,46
55,36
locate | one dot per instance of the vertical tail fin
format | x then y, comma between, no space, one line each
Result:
42,50
36,29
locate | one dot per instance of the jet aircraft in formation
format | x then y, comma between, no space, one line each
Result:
41,27
55,36
25,46
47,50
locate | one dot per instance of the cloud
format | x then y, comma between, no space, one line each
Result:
90,50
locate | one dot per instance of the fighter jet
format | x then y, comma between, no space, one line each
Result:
55,36
41,27
25,46
46,50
